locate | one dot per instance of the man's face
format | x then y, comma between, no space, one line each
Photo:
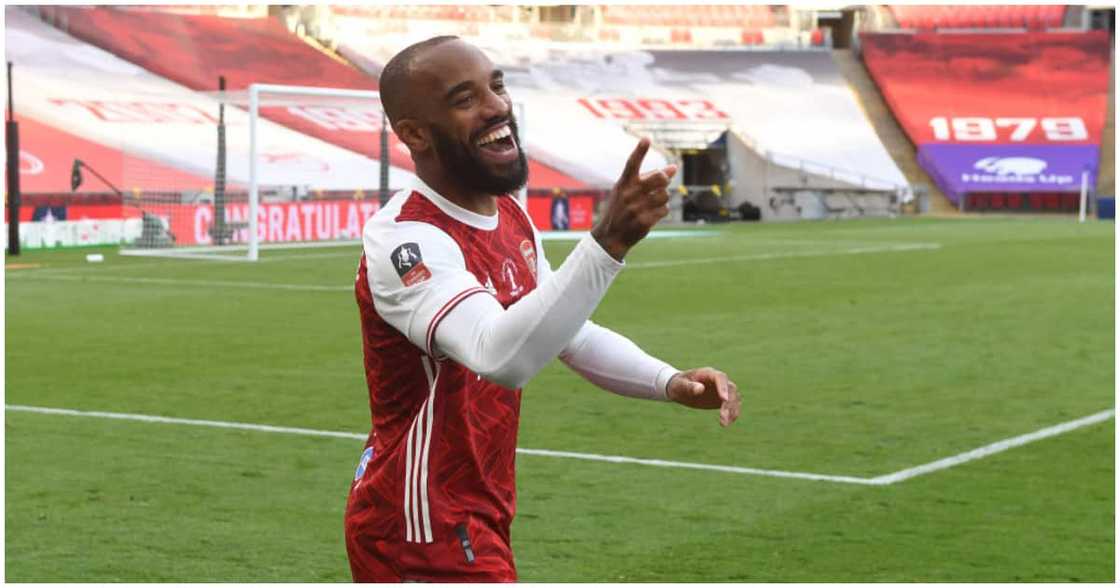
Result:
471,121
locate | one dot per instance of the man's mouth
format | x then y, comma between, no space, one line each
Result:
498,145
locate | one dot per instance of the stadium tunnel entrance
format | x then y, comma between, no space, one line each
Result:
704,183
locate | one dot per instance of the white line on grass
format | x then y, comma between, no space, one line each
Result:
163,262
344,435
697,466
790,254
997,447
320,288
147,418
204,283
884,480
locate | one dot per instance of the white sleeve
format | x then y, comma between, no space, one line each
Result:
614,363
608,359
509,346
416,274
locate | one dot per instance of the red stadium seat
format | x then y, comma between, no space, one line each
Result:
981,16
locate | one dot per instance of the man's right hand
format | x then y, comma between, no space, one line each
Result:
636,203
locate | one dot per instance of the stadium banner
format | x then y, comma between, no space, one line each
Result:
126,108
960,169
561,213
282,222
62,220
51,233
58,222
1013,89
1026,115
194,50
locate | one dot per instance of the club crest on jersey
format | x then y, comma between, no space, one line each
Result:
409,264
530,255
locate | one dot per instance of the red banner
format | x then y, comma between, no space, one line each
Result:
315,220
561,213
1012,89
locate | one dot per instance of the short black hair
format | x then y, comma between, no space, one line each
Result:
395,77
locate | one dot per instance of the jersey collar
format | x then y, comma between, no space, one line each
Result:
473,219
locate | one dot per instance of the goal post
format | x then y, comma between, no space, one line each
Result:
255,91
322,179
299,170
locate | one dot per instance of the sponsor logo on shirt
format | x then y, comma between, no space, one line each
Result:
409,264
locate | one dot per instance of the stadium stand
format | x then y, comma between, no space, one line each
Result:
776,106
891,134
127,108
747,16
1014,113
1034,16
195,50
646,25
1106,178
47,155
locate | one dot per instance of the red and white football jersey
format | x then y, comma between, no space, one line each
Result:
434,492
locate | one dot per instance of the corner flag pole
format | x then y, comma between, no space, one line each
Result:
12,145
1084,195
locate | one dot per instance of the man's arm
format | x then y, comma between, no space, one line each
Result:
616,364
508,346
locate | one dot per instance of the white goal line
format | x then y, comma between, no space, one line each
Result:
884,480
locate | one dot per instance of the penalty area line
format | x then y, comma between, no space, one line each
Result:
884,480
361,436
993,448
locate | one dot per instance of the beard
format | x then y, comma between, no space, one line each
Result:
465,166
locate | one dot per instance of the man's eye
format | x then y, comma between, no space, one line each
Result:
499,87
463,101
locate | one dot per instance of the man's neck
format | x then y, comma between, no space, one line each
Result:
476,202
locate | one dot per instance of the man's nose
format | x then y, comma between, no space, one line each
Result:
494,105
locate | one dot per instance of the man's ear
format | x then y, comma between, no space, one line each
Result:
413,134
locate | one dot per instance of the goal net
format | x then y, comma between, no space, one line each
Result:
293,166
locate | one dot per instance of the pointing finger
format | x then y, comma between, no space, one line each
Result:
634,162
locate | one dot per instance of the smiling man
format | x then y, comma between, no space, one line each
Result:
459,309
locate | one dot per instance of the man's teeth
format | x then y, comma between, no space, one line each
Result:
501,133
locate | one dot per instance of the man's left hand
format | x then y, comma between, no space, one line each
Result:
707,388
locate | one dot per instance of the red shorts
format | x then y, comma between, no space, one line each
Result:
486,557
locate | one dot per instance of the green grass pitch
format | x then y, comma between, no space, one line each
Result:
862,348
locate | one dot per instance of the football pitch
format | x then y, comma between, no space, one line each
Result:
902,381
